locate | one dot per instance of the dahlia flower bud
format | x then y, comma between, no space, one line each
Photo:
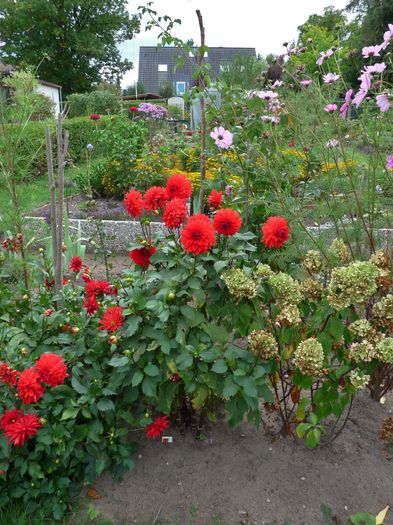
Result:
384,350
312,289
75,330
262,344
112,340
239,284
362,352
42,420
358,379
309,357
285,289
48,312
24,352
339,252
313,261
352,284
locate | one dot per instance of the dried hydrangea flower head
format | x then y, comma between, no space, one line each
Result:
240,285
362,352
289,315
383,312
262,271
384,350
363,328
311,289
358,378
352,284
285,289
380,259
313,261
262,344
339,252
309,357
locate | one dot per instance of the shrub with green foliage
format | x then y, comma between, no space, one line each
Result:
103,102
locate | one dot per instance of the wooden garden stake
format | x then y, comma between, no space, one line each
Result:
202,87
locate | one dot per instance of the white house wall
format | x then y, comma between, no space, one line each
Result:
54,94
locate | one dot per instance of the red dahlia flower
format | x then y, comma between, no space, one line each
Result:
24,427
178,186
51,369
227,221
8,374
215,199
154,198
97,288
9,417
112,319
86,274
157,427
29,387
275,232
175,213
198,235
141,256
91,304
133,203
76,264
95,116
133,108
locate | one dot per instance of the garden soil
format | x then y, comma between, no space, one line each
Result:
244,476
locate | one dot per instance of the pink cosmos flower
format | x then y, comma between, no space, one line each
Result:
274,106
268,118
266,95
330,108
383,102
387,37
371,51
365,79
376,68
359,97
389,163
329,78
305,83
332,143
278,83
345,106
222,137
323,55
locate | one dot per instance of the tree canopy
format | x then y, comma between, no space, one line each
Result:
74,42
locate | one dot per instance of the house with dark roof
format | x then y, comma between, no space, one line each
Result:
157,65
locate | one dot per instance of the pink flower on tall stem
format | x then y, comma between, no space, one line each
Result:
371,51
305,83
383,102
389,163
387,37
376,68
323,55
329,78
222,137
345,106
330,108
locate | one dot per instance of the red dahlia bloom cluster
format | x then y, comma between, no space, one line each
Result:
30,389
154,198
198,235
112,319
133,203
8,374
275,232
141,256
76,264
215,199
91,305
157,427
95,288
175,213
51,369
19,426
227,222
178,186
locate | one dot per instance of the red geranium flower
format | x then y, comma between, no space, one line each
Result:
133,203
275,232
30,389
9,417
157,427
97,288
133,108
198,235
227,221
178,186
215,199
154,198
24,427
95,116
91,305
8,374
51,369
112,319
141,256
175,213
76,264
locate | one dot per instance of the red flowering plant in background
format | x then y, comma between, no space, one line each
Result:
275,232
157,427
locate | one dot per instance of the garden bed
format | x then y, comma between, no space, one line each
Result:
242,476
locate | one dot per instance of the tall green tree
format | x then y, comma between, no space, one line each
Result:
376,15
74,42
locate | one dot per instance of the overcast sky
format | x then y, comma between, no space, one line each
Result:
263,24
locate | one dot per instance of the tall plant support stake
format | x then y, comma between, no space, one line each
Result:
56,201
202,87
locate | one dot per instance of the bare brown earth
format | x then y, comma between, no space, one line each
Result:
243,476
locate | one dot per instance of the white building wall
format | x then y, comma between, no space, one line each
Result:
53,93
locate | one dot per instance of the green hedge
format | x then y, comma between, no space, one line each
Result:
102,102
31,159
